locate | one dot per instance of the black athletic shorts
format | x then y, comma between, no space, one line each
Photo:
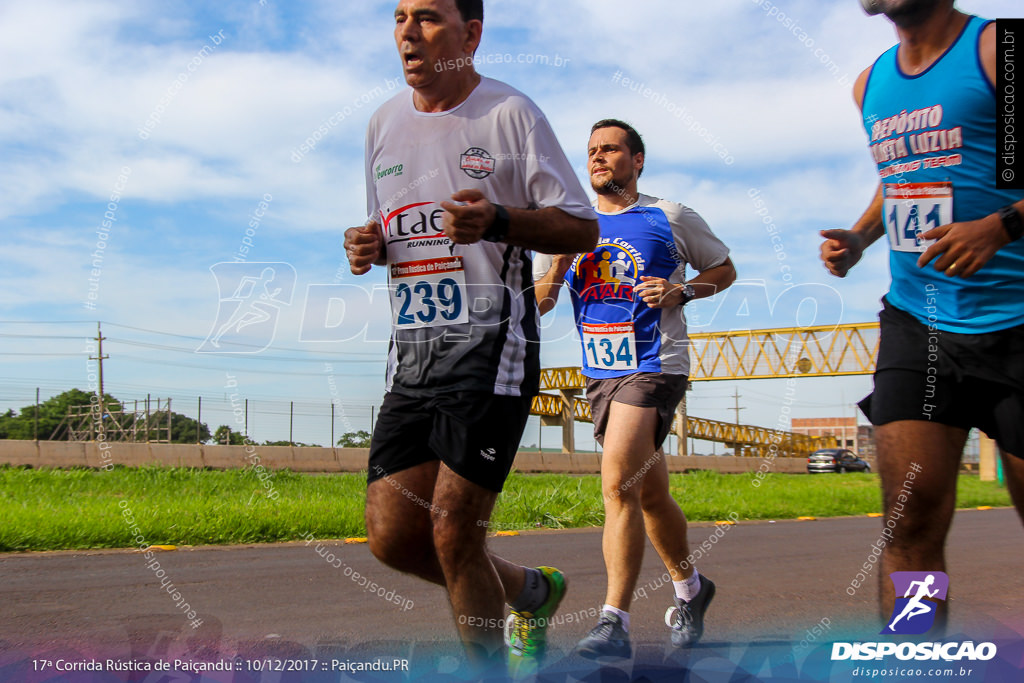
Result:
476,435
644,389
961,380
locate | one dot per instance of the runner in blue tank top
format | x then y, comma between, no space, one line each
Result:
951,353
628,296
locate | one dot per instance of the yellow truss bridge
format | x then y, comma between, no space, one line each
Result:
752,354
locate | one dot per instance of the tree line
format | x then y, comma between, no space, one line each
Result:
42,422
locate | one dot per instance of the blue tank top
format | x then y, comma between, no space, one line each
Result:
933,138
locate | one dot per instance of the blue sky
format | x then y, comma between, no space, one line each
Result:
182,125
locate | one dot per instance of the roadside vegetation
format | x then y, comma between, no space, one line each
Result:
54,509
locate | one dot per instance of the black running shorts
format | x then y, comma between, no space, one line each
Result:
644,389
476,435
961,380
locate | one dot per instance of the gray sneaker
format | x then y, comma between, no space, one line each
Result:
607,639
686,619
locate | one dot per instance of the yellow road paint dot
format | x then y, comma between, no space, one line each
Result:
507,533
984,507
355,540
874,514
807,519
726,521
164,547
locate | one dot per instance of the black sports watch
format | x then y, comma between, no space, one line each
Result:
497,231
689,294
1012,222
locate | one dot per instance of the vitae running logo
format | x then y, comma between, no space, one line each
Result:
912,613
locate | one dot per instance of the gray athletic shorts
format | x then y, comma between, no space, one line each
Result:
644,389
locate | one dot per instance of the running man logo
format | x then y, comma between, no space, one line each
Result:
913,614
251,296
610,272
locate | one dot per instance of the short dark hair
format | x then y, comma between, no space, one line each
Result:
471,9
633,139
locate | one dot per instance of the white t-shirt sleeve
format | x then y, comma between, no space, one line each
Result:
372,204
698,246
541,265
550,179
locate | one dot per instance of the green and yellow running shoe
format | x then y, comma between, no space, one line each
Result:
526,632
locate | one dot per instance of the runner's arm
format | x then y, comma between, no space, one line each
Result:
713,280
549,230
658,292
966,247
842,249
548,287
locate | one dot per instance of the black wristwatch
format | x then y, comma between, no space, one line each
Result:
689,294
497,231
1012,222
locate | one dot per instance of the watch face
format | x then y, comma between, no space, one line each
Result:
1012,221
498,229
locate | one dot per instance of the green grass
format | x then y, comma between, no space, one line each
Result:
48,509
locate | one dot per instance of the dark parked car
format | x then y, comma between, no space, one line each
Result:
837,460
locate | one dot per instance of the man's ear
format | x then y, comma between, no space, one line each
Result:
474,33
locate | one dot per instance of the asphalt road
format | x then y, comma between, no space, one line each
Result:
777,583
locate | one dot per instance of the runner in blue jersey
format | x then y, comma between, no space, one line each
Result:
951,354
628,296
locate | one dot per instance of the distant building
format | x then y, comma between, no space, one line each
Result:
857,437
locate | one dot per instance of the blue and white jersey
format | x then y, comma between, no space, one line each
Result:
933,136
619,333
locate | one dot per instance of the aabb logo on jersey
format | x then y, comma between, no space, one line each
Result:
610,272
477,163
414,224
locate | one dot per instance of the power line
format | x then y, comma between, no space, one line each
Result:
42,336
36,353
242,344
340,358
252,356
260,371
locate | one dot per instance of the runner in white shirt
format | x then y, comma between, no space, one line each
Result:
464,177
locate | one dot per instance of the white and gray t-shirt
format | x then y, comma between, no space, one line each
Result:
620,335
464,317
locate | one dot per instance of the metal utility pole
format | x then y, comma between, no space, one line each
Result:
100,357
682,434
736,397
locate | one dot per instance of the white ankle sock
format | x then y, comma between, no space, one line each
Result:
687,590
620,614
